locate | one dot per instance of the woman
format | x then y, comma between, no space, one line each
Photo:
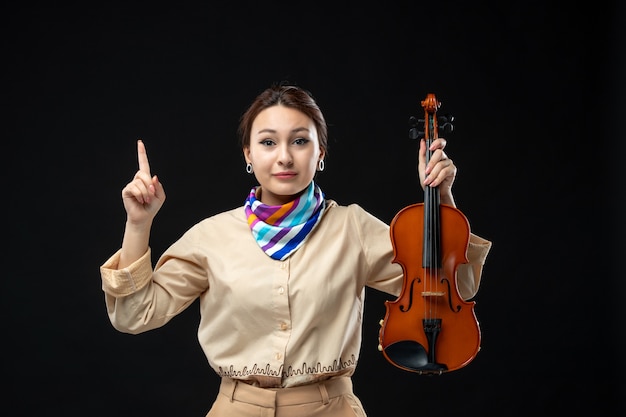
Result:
281,280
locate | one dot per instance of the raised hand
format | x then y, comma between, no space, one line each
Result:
144,195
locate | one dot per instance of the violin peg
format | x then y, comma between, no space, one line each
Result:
414,121
445,123
445,118
447,128
415,133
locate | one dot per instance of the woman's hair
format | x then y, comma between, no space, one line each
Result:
289,96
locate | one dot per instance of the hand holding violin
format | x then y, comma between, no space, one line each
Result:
440,170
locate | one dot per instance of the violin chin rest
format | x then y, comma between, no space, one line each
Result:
409,354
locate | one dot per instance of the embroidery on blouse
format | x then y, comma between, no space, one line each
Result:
319,369
305,369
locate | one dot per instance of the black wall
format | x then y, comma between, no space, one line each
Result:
537,90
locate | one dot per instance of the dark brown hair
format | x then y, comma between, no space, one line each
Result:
289,96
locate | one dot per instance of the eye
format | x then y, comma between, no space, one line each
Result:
301,141
266,142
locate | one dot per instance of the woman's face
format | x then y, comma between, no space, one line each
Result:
284,152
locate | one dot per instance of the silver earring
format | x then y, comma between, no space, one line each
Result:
249,168
320,165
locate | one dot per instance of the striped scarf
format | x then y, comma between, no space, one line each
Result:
281,230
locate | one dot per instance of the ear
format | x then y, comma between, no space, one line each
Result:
246,154
322,152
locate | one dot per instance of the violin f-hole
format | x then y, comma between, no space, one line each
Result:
458,307
406,309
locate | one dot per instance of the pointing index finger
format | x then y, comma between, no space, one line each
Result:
142,157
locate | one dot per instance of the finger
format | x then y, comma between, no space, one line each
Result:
438,143
140,188
441,171
422,151
437,157
143,178
157,188
135,191
142,157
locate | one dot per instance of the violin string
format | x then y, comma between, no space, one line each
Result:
427,255
433,226
431,237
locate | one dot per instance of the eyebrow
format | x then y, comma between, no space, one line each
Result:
296,130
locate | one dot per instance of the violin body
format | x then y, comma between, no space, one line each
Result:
430,328
403,338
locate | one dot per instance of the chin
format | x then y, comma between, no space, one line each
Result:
286,193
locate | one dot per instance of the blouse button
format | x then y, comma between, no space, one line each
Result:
281,290
283,326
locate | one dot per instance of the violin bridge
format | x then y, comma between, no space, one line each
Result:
433,293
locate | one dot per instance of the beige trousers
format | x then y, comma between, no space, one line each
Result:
332,398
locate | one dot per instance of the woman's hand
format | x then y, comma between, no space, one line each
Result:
144,195
440,171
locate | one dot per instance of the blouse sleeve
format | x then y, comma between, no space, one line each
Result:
469,275
122,282
140,298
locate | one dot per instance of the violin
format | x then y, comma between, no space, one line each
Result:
429,329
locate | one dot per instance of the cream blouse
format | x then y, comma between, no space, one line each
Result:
271,323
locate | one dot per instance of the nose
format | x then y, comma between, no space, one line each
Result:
284,156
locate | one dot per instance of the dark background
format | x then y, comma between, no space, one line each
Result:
537,89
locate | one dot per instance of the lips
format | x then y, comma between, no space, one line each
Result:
285,175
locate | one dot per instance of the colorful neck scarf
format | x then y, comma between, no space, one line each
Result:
281,230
